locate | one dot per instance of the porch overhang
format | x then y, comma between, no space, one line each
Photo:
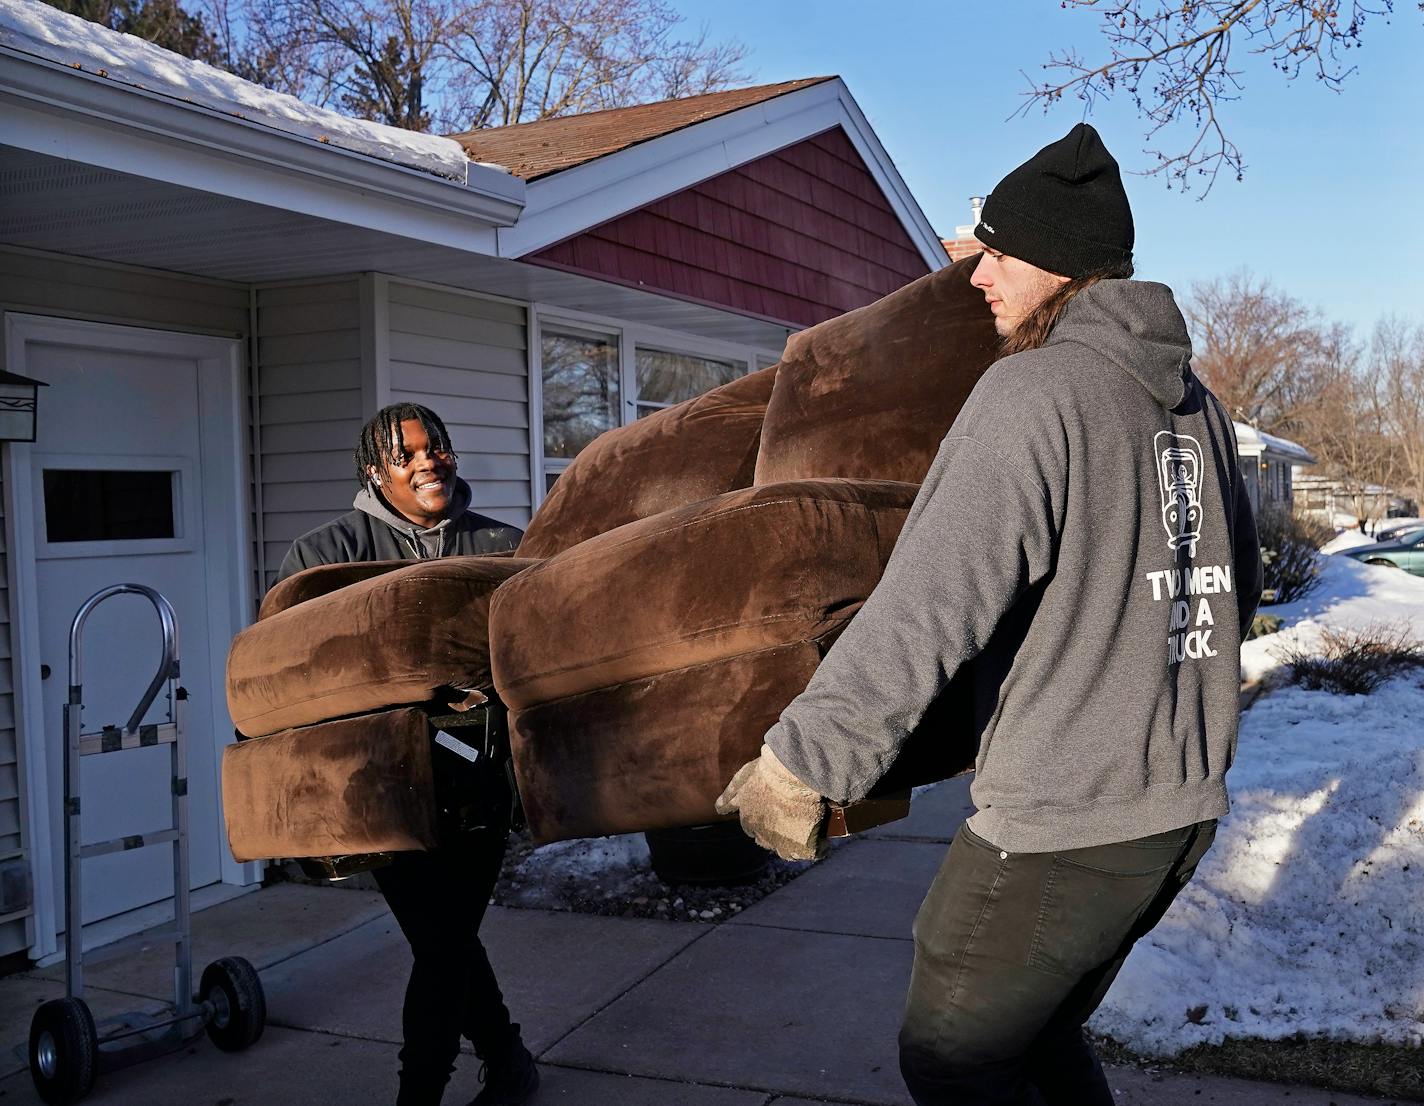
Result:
68,113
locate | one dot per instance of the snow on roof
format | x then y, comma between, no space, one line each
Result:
34,28
1254,441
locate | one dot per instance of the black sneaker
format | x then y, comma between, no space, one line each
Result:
509,1080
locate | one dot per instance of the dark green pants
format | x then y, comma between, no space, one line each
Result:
1014,951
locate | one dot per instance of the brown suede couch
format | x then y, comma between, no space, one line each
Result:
672,594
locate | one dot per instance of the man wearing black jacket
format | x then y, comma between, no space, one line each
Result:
412,506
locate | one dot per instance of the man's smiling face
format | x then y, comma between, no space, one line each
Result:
417,480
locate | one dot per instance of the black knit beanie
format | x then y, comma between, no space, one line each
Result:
1063,210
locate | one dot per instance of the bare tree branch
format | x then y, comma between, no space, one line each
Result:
1174,61
455,65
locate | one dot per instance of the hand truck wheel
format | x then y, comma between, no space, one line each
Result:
64,1050
234,1004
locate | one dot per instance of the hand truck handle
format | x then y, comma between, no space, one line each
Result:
167,666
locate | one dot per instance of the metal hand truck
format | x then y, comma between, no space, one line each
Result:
66,1050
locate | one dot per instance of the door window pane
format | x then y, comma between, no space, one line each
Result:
668,378
580,390
107,504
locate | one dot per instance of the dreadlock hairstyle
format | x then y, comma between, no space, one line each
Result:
1039,323
383,443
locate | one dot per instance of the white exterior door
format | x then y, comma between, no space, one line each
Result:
131,480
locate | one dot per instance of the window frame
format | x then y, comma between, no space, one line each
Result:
629,337
185,506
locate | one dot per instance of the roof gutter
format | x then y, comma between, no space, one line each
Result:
79,116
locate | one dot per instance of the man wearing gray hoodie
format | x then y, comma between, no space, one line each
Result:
1083,548
413,506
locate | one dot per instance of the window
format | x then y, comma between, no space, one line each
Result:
107,504
668,378
581,393
598,374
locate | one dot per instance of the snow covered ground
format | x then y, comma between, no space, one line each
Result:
1308,914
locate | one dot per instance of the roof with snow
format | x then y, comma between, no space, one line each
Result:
534,150
36,29
1257,443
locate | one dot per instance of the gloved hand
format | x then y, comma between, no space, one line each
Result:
776,808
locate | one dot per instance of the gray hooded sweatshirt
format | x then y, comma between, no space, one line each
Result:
1084,548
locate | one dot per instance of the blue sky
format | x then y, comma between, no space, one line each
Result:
1330,210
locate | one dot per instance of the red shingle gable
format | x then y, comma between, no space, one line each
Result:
798,236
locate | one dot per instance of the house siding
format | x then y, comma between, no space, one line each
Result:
310,408
10,837
45,284
466,357
798,236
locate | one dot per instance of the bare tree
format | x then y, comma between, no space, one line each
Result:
249,45
1347,430
523,60
1397,353
454,65
1179,61
1264,354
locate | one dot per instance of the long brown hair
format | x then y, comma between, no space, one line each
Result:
1039,323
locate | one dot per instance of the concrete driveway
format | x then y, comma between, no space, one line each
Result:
794,1001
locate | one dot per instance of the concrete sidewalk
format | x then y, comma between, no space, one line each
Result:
795,1001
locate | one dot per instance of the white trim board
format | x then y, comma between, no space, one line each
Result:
574,200
227,540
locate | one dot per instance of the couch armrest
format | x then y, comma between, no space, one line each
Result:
312,582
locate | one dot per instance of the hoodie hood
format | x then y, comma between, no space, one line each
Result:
1137,326
426,541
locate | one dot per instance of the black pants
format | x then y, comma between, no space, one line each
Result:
439,898
1014,951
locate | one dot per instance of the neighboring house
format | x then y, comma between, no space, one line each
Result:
1341,502
1266,465
219,284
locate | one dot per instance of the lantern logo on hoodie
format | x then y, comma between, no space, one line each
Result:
1179,475
1178,459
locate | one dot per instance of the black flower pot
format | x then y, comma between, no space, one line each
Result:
717,853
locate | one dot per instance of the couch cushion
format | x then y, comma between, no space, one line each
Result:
871,393
700,448
743,571
407,636
358,785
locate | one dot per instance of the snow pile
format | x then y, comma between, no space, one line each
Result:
1346,539
1307,916
610,865
35,28
1350,595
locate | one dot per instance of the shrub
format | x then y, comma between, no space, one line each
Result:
1290,548
1263,625
1353,662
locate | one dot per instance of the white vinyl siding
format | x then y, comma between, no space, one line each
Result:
10,842
466,358
34,282
310,409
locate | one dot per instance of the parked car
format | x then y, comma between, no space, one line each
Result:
1404,551
1390,528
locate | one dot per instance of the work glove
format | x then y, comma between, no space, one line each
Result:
776,808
